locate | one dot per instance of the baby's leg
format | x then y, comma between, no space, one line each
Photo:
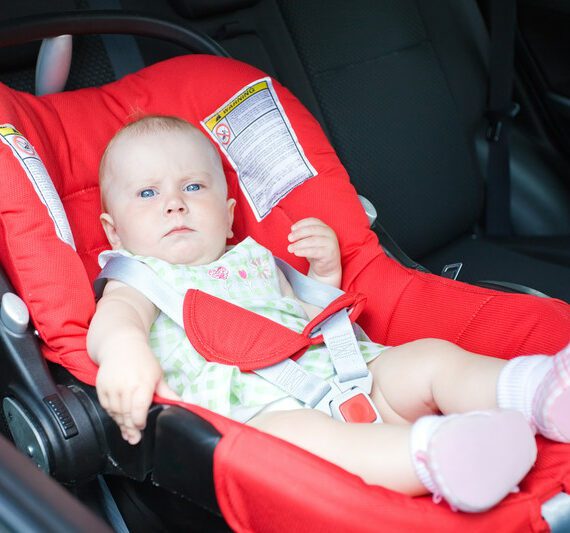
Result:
472,460
379,453
430,376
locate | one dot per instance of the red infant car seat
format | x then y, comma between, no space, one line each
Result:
262,483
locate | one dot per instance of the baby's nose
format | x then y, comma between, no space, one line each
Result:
175,205
176,209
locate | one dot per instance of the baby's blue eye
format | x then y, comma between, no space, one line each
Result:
147,193
193,187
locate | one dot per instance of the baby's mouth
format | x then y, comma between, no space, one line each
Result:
179,230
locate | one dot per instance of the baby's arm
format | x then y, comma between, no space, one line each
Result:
129,373
313,239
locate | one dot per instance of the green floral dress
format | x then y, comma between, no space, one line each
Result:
246,275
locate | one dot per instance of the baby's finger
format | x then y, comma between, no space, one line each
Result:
119,419
140,402
104,399
103,392
126,408
166,392
311,253
132,436
115,409
314,246
114,404
309,231
309,221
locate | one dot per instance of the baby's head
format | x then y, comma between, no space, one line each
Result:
164,192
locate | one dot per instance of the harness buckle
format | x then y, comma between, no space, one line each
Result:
355,406
350,401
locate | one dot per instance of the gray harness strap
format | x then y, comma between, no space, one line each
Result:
338,334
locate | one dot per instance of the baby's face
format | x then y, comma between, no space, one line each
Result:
165,198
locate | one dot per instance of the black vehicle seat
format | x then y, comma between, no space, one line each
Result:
400,87
416,69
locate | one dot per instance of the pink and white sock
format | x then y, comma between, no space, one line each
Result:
538,386
472,460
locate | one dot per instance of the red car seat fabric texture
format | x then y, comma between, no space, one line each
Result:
225,333
262,483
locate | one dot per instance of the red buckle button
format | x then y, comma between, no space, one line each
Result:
358,410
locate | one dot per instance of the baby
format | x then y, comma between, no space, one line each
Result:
456,424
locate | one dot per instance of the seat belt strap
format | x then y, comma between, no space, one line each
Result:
141,277
292,378
337,330
347,399
343,348
500,112
287,375
308,289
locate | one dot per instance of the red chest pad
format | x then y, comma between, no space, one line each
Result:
223,332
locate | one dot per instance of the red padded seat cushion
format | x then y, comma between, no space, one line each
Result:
70,131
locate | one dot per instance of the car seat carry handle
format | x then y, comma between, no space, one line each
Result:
53,64
106,21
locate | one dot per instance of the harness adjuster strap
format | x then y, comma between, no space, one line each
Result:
347,401
340,340
292,378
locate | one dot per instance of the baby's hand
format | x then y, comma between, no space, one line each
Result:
126,385
313,239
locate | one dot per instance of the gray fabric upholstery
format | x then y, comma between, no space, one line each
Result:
402,87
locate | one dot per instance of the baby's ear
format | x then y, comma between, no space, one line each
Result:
109,228
231,204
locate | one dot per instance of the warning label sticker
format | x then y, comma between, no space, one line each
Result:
37,173
254,132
